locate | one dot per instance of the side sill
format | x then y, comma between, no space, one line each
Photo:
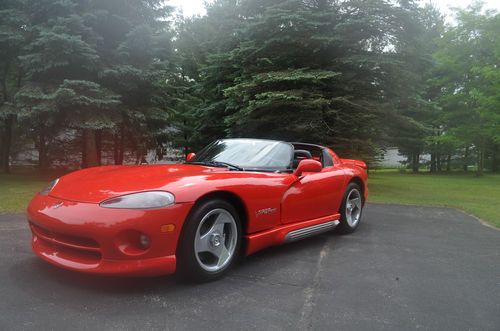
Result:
294,231
310,231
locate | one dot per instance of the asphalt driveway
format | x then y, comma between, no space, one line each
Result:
405,268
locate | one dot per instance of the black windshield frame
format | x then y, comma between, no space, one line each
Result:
205,155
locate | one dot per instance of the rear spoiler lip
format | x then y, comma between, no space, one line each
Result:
357,163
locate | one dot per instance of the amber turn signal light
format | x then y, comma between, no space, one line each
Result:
165,228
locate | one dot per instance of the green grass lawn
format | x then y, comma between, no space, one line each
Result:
479,196
17,190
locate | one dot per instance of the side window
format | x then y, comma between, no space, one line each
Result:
327,159
317,154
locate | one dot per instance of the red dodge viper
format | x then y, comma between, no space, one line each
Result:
236,196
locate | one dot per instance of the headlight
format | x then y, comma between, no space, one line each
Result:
142,200
49,188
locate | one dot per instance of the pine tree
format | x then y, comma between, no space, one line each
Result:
318,71
411,95
12,40
201,44
61,47
100,53
139,64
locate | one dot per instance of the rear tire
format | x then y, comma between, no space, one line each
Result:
351,209
210,241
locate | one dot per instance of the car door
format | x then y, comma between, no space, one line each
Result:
314,195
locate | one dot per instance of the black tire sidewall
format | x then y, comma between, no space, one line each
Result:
187,263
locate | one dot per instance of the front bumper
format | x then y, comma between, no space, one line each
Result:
88,238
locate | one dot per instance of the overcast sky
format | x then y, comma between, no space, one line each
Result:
196,7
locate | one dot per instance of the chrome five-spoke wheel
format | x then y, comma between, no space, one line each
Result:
353,207
210,240
215,240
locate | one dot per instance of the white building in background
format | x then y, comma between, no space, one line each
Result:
391,158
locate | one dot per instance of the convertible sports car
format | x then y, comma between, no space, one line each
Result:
236,196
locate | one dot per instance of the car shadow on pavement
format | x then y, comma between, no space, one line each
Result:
33,272
36,276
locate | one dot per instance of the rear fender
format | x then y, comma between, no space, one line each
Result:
357,163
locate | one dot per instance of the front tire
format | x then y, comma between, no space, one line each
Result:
351,209
210,242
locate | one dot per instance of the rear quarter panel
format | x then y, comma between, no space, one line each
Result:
353,171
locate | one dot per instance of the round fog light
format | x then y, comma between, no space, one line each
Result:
144,240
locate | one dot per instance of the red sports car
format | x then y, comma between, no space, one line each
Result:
236,196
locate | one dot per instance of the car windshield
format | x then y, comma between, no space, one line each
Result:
251,154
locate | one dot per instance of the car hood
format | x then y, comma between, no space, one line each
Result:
94,185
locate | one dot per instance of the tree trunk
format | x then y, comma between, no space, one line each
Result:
438,162
42,153
448,163
98,143
121,150
84,151
433,162
1,148
116,147
415,162
89,154
7,143
119,145
480,161
466,159
495,162
8,123
186,148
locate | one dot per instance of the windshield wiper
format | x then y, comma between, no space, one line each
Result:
218,164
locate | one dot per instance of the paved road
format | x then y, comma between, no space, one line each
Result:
405,268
